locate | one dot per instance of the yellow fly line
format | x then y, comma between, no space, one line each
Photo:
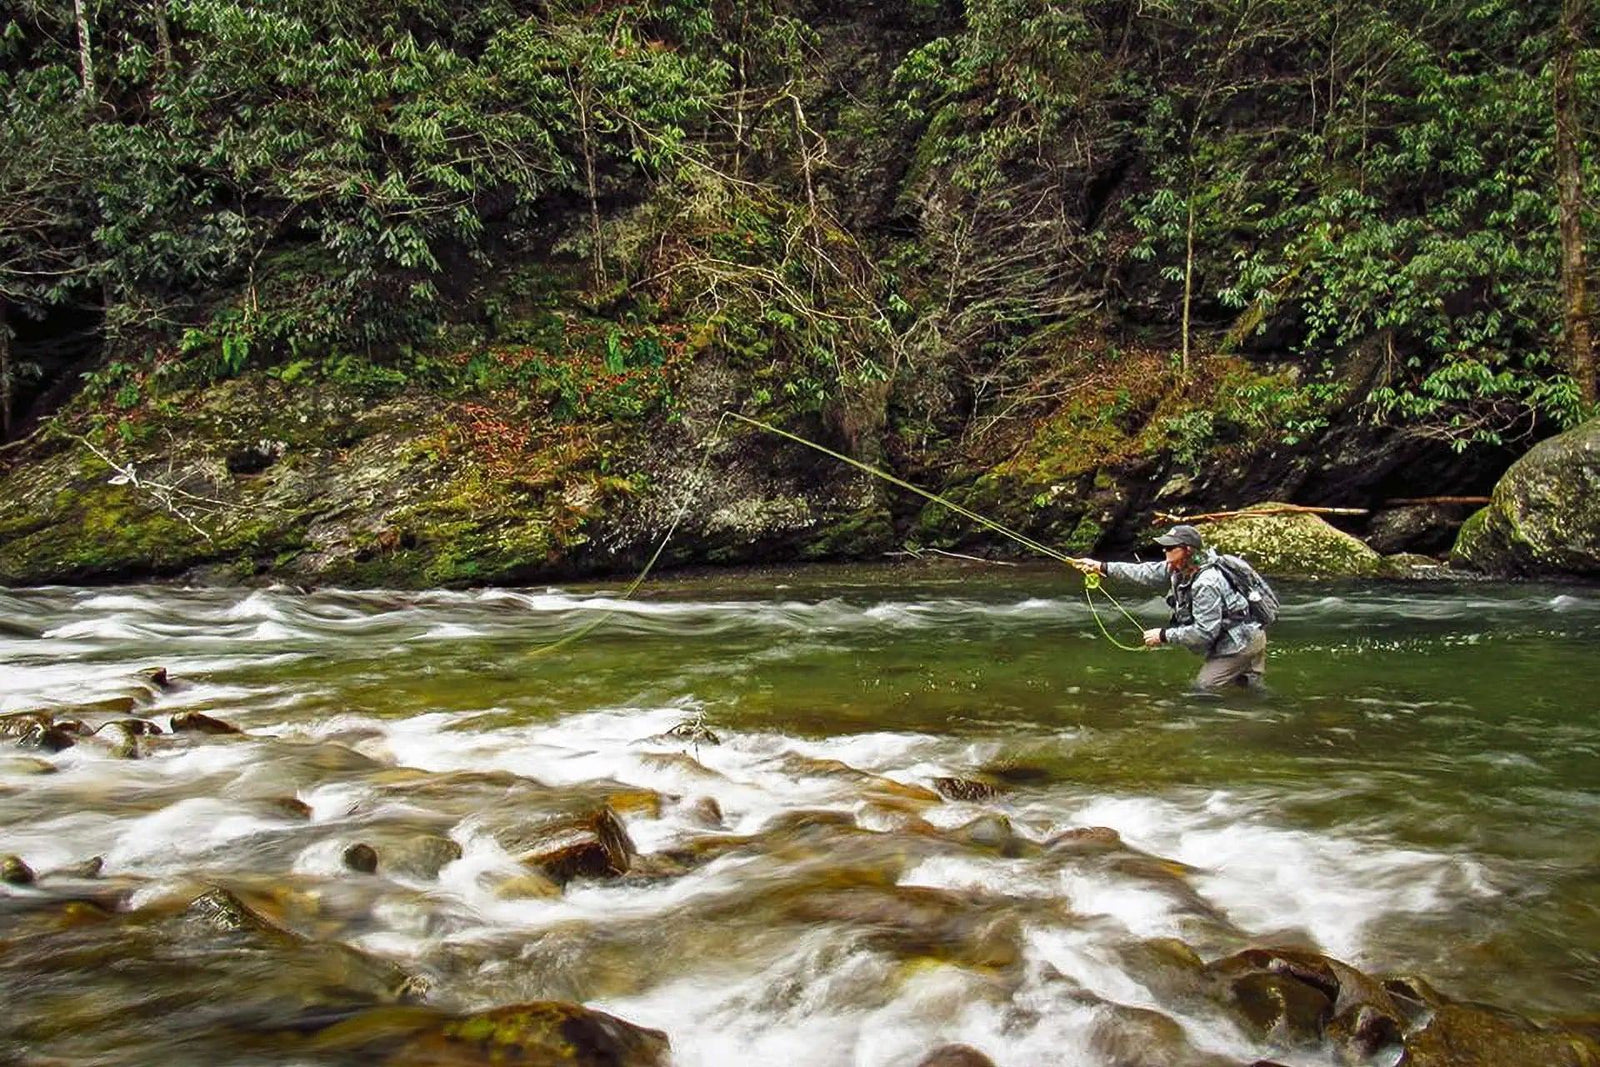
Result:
1091,582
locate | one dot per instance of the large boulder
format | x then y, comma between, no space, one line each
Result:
1291,544
1544,515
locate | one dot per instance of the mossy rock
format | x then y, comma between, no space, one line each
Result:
549,1032
1292,544
1467,1035
1544,516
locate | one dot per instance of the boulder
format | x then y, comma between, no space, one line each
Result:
1416,528
552,1033
589,845
1543,518
1292,544
199,723
1468,1035
15,872
969,789
955,1056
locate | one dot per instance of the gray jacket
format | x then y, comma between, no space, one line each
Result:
1209,616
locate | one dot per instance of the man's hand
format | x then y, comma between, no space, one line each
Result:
1087,566
1152,638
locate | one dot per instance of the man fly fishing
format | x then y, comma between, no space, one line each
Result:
1219,607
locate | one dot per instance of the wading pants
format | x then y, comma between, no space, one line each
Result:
1244,667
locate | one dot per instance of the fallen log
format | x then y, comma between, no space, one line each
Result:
1246,513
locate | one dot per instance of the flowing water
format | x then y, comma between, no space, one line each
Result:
1417,795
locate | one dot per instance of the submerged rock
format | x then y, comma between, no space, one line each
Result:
361,857
1544,514
548,1033
1469,1035
15,872
955,1056
968,789
1296,544
51,738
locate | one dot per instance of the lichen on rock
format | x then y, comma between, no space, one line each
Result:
1544,516
1292,544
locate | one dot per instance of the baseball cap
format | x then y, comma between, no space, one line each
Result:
1181,535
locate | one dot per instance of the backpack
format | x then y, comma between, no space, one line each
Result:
1248,583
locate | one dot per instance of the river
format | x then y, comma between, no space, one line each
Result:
1417,795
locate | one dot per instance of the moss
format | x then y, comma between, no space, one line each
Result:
1293,544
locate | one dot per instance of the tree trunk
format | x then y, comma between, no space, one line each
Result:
158,11
5,374
85,49
1188,286
1569,182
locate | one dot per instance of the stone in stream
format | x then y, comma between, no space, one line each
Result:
157,677
1471,1035
118,740
15,872
361,857
201,723
89,868
955,1056
1543,518
966,789
413,853
20,723
21,765
547,1033
45,738
589,845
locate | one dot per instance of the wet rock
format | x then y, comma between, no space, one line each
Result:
871,784
1362,1032
1363,1018
221,909
361,857
118,740
530,886
1468,1035
47,738
89,868
1085,839
1415,528
293,807
635,802
133,727
21,723
1292,544
1543,517
157,677
548,1033
592,845
1279,1009
1139,1037
955,1056
196,722
26,765
918,921
704,811
964,789
15,872
787,823
994,833
694,732
418,855
1412,567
